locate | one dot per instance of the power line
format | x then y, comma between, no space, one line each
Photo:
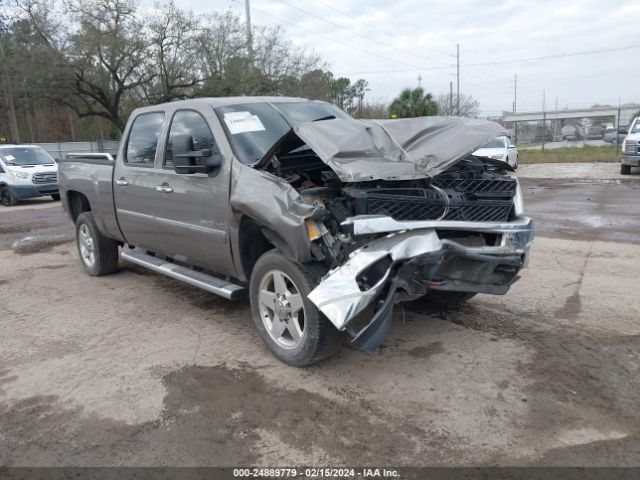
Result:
373,54
547,57
390,34
342,27
522,60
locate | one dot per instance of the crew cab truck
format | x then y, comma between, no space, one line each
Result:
323,221
26,171
631,148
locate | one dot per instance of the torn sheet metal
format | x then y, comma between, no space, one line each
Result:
338,295
363,150
377,224
274,204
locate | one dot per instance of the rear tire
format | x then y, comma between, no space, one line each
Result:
6,197
56,197
98,254
278,291
625,169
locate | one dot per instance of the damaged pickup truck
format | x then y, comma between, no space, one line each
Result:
323,221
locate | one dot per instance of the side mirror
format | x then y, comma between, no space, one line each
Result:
198,161
512,146
187,161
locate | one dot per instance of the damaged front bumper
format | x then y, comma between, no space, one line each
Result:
415,257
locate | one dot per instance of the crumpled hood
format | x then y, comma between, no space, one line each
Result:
363,150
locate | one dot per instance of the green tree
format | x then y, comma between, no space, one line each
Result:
413,103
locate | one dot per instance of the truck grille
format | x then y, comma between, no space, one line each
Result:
474,200
48,177
430,209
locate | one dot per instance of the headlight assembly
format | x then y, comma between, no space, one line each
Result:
518,201
20,175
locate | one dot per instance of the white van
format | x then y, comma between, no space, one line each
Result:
26,171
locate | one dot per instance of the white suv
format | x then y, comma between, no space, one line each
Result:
26,171
631,148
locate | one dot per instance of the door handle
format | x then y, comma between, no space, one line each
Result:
122,182
164,188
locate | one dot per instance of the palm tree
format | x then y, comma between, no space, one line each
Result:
413,103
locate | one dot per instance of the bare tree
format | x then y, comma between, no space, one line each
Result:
174,48
448,105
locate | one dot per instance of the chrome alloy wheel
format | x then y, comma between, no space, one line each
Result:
281,309
87,246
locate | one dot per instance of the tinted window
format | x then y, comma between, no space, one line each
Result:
143,139
185,124
497,142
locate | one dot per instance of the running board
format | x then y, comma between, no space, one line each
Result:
197,279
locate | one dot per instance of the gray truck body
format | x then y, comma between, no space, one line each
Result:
352,196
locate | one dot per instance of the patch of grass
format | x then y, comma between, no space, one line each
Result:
585,154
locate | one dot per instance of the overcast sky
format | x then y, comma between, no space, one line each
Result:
391,43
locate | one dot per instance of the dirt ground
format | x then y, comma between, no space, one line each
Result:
138,369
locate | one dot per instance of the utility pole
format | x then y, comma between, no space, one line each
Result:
8,95
618,130
247,12
555,123
515,93
450,98
419,80
544,118
458,78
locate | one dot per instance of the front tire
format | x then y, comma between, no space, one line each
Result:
295,331
98,254
625,169
6,197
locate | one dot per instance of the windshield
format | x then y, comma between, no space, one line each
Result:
495,143
253,128
21,156
636,126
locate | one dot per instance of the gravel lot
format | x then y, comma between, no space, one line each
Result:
138,369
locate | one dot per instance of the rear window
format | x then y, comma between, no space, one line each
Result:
143,139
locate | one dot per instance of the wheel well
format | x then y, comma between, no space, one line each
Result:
253,244
78,204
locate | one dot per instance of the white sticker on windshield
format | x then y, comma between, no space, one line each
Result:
242,122
9,158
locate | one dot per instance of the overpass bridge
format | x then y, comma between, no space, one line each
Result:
625,113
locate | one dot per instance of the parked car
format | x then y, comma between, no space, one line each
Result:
613,135
499,148
595,132
324,221
631,148
570,133
26,171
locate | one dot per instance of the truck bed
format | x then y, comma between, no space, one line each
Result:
90,175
